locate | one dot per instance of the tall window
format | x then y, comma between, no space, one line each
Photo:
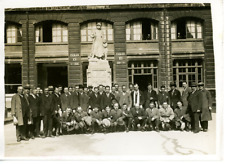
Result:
51,32
187,70
12,77
89,28
13,33
142,30
185,29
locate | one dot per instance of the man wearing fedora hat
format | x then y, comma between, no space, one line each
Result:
174,95
205,105
193,107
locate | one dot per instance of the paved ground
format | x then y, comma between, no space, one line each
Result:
118,144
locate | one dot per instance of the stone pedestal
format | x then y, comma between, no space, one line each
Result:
98,72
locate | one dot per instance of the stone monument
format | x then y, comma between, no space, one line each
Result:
99,71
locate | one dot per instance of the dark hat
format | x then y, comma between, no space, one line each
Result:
50,88
163,86
193,84
201,84
90,86
27,86
173,84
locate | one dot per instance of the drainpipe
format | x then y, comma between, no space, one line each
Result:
27,40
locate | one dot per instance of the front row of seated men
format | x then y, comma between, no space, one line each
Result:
116,119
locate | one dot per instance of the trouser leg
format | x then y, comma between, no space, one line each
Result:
45,121
18,132
196,121
50,124
204,124
24,127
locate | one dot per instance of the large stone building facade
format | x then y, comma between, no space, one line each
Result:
156,43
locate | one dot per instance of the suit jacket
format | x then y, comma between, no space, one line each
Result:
174,97
56,101
141,97
108,100
184,96
47,105
193,102
16,108
138,113
95,100
163,97
34,105
101,100
84,101
125,98
74,100
65,101
150,96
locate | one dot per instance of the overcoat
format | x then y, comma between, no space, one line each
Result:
16,108
205,101
84,101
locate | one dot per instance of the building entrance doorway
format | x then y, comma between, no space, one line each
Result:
143,72
52,74
142,81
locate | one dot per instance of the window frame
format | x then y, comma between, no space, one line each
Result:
18,29
196,66
39,30
85,27
173,29
154,25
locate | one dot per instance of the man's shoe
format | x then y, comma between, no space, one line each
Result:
196,131
18,140
205,130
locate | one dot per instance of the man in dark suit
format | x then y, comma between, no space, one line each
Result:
101,94
84,98
57,108
108,97
205,105
139,117
137,97
47,111
150,96
174,96
193,108
18,110
74,99
34,107
163,96
94,99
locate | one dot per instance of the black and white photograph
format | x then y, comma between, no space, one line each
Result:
105,81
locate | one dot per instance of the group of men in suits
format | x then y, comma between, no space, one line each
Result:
82,109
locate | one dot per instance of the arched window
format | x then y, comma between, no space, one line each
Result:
88,28
13,33
144,29
186,29
51,31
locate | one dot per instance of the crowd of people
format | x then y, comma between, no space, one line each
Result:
81,109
